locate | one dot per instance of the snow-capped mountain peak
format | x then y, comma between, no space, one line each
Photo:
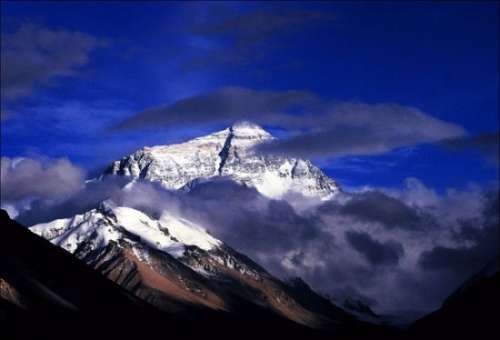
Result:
248,130
228,153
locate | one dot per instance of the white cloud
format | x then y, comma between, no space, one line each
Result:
25,179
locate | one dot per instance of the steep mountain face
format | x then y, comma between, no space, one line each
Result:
173,263
227,153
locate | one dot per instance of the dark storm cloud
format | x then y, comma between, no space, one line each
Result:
318,128
375,252
26,178
35,55
487,143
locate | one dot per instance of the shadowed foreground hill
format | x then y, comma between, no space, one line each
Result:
46,292
471,312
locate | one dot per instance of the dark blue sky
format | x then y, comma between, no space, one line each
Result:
441,58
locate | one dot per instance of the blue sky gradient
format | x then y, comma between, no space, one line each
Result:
441,58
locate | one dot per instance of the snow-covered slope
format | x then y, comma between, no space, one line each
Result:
111,223
230,153
170,262
176,236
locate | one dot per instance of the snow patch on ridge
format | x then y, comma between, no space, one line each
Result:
169,234
189,233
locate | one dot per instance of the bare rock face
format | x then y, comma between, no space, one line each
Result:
228,153
11,294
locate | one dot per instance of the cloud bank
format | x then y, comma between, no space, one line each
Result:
400,248
413,259
26,180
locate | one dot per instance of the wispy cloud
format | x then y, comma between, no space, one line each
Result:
363,129
258,25
320,128
486,143
238,38
34,55
222,106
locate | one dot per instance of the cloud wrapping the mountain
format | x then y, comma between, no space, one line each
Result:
316,127
35,55
352,244
87,197
479,237
337,251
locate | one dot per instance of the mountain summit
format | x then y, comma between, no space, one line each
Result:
229,153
